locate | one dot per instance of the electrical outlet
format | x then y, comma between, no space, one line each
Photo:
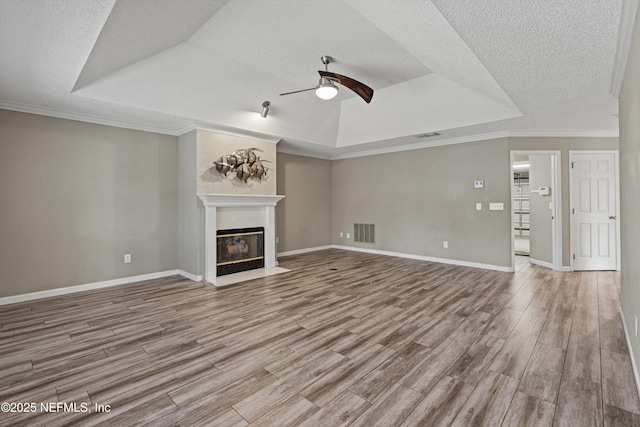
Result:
127,258
445,244
341,234
348,235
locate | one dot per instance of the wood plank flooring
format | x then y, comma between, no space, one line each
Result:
344,338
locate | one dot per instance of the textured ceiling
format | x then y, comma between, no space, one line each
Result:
458,68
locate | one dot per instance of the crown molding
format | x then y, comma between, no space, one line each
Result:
565,133
80,117
304,153
481,137
241,133
420,145
194,125
628,17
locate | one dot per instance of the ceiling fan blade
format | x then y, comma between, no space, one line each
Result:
297,91
364,91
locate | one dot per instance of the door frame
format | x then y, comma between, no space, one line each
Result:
616,166
556,199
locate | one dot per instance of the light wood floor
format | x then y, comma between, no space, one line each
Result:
343,339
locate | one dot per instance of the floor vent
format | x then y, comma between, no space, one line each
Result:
364,233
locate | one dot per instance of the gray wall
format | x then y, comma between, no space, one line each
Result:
304,215
540,214
189,209
563,145
82,195
75,197
630,191
417,199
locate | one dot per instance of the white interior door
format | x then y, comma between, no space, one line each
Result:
593,211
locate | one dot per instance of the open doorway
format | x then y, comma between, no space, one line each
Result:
536,208
521,205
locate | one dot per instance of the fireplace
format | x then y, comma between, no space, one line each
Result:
239,249
232,212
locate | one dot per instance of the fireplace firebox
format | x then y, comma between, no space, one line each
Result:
239,249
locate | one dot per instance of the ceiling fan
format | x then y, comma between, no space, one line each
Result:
326,88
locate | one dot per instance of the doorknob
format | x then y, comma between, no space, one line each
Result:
612,217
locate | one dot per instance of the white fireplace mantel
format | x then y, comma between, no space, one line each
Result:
223,211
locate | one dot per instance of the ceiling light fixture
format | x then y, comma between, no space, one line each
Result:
326,89
265,109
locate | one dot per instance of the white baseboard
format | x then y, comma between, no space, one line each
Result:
541,263
89,286
304,251
636,376
190,276
566,268
428,258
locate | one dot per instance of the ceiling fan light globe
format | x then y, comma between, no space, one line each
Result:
326,91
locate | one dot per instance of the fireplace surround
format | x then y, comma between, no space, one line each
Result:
236,211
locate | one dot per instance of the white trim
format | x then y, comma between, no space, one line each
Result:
303,153
627,21
421,145
242,133
238,200
478,137
81,117
190,276
564,133
428,258
636,375
304,251
86,287
566,268
225,130
541,263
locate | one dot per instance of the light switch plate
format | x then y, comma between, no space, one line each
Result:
496,206
478,206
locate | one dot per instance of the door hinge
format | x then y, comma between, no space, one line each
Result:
574,256
573,211
572,164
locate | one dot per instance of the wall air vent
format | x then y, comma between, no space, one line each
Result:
426,135
364,233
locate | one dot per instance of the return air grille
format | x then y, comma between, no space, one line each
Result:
364,233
